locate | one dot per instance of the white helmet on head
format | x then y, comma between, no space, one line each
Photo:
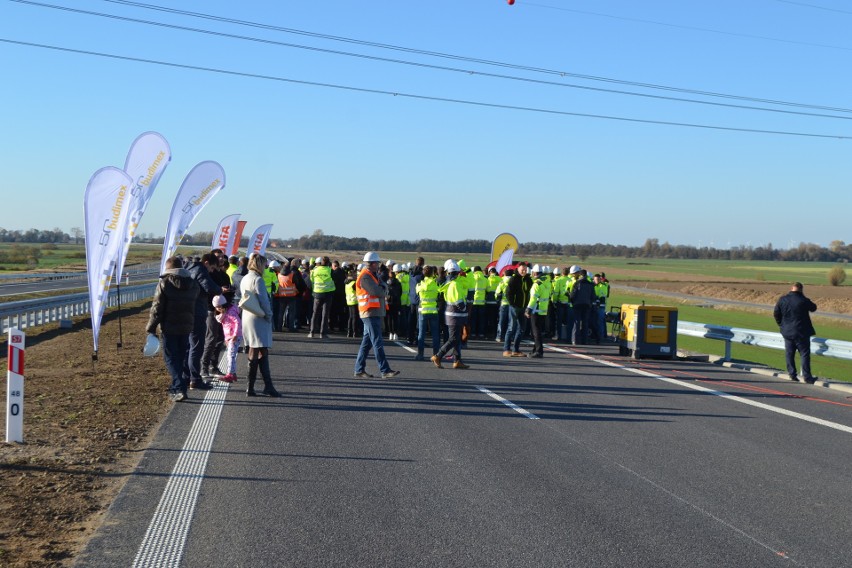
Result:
397,268
360,267
536,268
344,265
451,266
318,259
274,264
556,270
152,346
389,263
574,269
372,257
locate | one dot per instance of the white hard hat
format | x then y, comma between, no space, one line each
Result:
556,270
574,269
389,263
274,264
152,346
372,257
359,267
318,259
344,265
536,268
397,268
451,265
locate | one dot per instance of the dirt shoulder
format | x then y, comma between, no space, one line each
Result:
835,299
85,427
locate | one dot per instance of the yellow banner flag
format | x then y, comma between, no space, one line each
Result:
502,243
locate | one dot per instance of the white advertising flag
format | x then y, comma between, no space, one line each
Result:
146,161
505,259
107,211
201,184
259,239
225,233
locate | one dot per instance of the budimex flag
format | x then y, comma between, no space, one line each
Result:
107,212
201,184
502,243
146,161
259,239
223,237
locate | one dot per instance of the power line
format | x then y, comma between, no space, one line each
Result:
422,65
419,97
473,59
691,28
815,6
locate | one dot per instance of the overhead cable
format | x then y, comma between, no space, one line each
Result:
420,97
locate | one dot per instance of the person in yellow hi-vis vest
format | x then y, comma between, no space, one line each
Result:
427,291
537,308
455,294
353,325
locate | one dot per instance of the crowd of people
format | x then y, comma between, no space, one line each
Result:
205,304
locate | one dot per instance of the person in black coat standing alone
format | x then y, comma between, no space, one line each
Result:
792,313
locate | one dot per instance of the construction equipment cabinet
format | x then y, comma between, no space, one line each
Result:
648,331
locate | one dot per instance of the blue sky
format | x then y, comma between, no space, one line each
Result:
380,166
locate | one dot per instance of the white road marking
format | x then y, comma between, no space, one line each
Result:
406,347
508,403
166,535
733,397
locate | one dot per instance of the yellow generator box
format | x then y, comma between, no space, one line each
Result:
648,331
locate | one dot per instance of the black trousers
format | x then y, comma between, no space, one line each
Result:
213,342
453,343
803,346
537,322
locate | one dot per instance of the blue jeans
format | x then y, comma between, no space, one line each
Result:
502,321
372,338
174,355
432,321
513,332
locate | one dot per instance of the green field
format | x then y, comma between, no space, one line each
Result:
824,367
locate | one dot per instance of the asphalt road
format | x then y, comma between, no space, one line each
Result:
627,464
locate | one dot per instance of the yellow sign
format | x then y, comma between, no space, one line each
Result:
502,243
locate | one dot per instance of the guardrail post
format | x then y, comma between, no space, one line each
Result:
727,350
15,387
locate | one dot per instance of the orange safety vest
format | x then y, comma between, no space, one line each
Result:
286,287
366,301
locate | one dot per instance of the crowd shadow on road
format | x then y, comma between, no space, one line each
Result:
461,398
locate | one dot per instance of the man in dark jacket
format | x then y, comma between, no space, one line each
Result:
582,297
518,296
173,310
792,315
200,272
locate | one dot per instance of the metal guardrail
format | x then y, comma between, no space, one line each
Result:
768,339
41,311
42,276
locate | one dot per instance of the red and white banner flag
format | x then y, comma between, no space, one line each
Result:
201,184
223,237
146,161
241,225
257,242
107,212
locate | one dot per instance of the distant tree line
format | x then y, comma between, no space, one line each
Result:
836,251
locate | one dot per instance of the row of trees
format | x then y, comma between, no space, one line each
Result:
836,251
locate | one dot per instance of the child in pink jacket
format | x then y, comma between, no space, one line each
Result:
229,316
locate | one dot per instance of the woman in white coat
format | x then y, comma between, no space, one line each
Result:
257,330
